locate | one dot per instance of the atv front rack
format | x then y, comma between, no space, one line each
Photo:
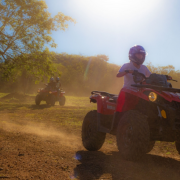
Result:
102,93
158,88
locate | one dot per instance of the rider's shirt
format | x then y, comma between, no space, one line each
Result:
58,85
52,85
128,78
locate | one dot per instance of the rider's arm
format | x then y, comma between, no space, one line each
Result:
148,73
121,74
123,70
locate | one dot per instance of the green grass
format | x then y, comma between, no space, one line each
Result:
30,115
71,123
70,100
110,142
72,114
168,153
77,101
3,94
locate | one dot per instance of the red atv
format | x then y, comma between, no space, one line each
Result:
139,116
50,96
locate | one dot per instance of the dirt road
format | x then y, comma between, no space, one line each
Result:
45,143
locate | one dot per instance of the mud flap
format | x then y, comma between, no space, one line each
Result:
99,126
113,124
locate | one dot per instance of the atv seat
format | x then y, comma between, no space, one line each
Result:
113,99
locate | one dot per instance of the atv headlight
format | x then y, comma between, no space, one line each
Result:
152,96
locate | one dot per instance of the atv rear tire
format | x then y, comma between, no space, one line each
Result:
177,143
38,99
91,138
62,101
133,135
150,146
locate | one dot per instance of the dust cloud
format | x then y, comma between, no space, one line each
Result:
41,130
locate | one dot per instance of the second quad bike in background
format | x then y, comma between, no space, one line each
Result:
139,116
50,96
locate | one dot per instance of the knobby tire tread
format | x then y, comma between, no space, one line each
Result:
177,143
141,135
38,99
94,141
62,102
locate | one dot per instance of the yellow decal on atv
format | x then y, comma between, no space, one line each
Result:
163,113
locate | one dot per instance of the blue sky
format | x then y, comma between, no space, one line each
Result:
111,27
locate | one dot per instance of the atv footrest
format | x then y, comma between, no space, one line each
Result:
103,129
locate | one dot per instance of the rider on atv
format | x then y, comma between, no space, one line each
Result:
137,56
51,85
58,85
148,111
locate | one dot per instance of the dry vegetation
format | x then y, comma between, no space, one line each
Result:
43,142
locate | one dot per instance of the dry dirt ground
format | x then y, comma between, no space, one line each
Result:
43,142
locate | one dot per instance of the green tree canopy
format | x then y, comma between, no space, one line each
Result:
25,28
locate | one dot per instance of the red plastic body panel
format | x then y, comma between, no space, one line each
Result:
103,104
169,96
52,92
128,98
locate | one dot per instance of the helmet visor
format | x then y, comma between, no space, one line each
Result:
142,52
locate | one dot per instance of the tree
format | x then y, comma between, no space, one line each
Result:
25,28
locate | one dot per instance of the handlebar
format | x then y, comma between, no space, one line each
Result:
170,78
136,73
137,76
140,77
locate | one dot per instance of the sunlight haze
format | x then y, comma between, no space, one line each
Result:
111,27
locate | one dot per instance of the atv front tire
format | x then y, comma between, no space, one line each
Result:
91,138
52,100
38,99
133,136
62,101
177,143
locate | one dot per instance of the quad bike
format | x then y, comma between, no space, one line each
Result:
50,96
150,111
